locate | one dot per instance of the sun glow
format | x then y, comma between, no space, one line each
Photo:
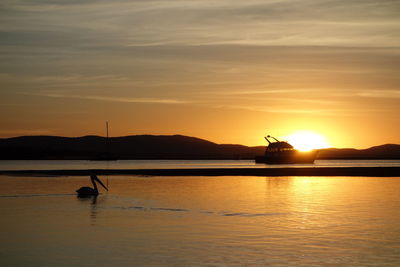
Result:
306,141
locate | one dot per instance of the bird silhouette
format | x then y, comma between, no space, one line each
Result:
88,191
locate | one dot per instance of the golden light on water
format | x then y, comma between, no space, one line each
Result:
307,140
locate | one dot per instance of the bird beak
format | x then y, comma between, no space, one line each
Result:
100,182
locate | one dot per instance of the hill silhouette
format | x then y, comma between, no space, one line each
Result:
156,147
126,147
387,151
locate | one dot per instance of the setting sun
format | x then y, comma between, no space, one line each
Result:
306,140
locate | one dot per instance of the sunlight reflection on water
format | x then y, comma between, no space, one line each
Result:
191,221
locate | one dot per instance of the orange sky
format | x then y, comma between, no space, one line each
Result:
226,71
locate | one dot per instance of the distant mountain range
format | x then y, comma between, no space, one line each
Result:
156,147
387,151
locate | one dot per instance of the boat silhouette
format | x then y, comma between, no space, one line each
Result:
280,152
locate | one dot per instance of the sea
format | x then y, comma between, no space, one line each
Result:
199,221
179,164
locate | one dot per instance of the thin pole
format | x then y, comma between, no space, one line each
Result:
107,141
107,128
107,147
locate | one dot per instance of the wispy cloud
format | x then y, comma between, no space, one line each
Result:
19,132
379,93
116,99
272,109
193,22
262,92
314,112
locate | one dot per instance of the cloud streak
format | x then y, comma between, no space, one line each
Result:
116,99
380,93
132,23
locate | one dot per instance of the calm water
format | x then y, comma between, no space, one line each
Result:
201,221
172,164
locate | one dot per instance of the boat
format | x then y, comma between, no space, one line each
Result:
280,152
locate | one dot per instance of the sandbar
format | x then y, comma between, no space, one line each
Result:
306,171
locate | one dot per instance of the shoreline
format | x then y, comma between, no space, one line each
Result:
306,171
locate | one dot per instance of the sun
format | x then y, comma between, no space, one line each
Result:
307,140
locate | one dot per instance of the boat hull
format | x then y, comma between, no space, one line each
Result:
290,157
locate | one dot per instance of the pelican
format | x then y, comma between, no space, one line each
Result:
88,191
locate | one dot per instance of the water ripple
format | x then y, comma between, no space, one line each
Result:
243,214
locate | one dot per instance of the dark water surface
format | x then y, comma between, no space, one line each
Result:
178,164
201,221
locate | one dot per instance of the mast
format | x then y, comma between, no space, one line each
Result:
108,146
107,141
107,129
268,136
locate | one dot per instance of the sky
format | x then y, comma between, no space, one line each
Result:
225,71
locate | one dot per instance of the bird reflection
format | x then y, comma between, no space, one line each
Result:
88,198
93,206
